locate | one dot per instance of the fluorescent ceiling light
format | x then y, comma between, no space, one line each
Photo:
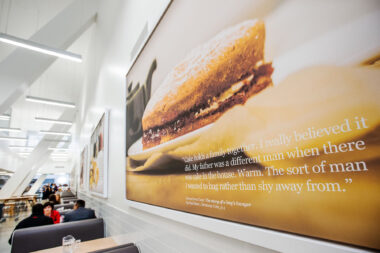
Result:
59,149
21,147
55,133
5,173
11,130
59,154
61,122
24,153
12,138
31,45
5,117
49,101
63,141
60,159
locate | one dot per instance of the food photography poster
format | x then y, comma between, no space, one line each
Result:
83,167
74,178
264,113
98,169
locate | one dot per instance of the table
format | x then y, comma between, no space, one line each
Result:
86,246
20,198
32,197
10,202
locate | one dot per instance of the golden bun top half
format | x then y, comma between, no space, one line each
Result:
206,71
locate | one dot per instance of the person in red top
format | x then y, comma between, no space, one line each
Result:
50,212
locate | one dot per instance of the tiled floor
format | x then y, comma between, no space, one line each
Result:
6,228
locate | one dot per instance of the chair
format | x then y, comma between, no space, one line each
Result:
66,194
68,201
71,197
9,209
65,211
48,236
124,248
65,206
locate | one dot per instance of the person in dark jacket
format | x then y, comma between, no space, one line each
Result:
36,219
79,213
46,191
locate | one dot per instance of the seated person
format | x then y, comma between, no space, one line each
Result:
37,218
58,198
2,219
79,213
53,199
67,193
50,212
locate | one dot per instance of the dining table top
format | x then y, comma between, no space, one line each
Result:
98,244
86,246
15,198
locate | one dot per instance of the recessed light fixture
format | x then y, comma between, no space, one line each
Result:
12,138
59,149
5,117
5,173
63,141
24,153
11,130
55,133
21,147
31,45
59,154
60,159
61,122
49,101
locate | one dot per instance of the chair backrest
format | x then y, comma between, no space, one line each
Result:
129,249
65,206
69,197
66,194
48,236
68,201
65,211
124,248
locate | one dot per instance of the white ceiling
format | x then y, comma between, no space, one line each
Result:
62,81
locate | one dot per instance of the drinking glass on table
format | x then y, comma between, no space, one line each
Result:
69,244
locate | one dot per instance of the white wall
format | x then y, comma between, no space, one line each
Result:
118,26
112,38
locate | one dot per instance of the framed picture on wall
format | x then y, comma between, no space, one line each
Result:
260,118
74,178
83,167
98,167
